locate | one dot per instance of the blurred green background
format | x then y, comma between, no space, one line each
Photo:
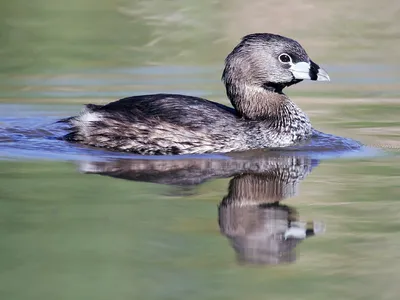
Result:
67,235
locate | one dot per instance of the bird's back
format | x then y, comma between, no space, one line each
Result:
159,124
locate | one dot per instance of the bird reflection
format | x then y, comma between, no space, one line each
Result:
260,229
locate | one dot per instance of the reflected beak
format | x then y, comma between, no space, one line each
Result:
301,230
311,71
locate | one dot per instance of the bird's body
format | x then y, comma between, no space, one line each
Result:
177,124
262,116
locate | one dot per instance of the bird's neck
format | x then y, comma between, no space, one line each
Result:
267,103
275,121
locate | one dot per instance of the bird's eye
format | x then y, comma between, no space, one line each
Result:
285,58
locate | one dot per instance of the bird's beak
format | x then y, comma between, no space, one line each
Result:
309,70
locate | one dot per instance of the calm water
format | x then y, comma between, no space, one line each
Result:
81,223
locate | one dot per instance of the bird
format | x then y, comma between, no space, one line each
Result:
256,72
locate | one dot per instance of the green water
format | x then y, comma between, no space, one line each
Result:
70,235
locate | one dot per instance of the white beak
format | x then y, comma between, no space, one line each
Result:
309,70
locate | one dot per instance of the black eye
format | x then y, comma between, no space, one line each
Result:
285,58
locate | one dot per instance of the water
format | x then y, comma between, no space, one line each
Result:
81,223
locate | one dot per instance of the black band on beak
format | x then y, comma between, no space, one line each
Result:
314,68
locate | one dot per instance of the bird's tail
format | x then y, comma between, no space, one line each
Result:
88,108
